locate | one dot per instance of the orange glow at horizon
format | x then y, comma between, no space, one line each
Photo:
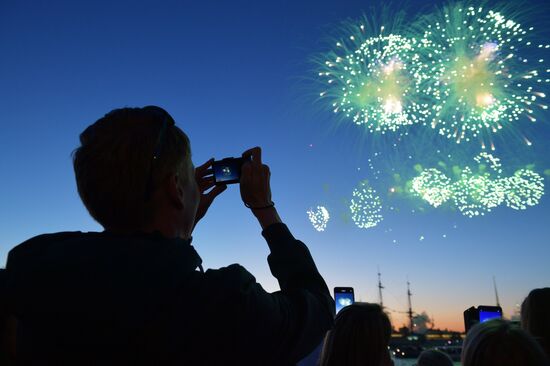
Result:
451,322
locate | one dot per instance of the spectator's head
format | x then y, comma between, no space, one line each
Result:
360,336
535,316
434,358
500,343
133,166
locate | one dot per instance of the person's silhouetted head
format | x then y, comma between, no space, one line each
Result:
498,342
360,336
535,316
125,159
434,358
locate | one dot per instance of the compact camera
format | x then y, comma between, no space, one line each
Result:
228,170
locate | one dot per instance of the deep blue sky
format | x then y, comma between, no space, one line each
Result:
236,75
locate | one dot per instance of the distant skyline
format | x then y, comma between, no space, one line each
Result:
236,75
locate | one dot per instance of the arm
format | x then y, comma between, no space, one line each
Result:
267,217
288,324
313,307
277,328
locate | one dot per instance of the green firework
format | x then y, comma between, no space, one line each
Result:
318,217
481,79
372,78
433,186
476,193
366,206
525,188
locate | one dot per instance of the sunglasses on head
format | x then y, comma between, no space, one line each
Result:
158,146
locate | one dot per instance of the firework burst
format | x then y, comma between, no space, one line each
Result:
319,218
433,186
366,206
525,188
477,192
372,78
482,79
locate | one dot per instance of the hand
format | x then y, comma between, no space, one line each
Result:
256,189
255,176
205,181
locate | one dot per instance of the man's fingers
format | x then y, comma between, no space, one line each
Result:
215,192
204,173
246,171
248,153
202,169
255,154
205,180
206,183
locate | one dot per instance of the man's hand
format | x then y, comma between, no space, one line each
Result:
205,181
256,188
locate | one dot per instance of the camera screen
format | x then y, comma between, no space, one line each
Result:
227,171
487,315
343,299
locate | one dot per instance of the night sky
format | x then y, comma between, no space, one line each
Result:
236,75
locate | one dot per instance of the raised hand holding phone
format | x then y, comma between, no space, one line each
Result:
343,296
482,313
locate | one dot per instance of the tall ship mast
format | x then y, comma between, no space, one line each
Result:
410,312
380,287
496,292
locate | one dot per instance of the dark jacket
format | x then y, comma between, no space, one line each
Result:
110,299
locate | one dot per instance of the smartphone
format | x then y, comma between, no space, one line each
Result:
343,296
481,314
489,312
227,171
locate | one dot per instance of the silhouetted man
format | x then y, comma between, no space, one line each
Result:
136,292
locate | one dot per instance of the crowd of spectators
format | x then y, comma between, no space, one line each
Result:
124,296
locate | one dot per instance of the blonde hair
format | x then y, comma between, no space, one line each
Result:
360,336
499,342
123,158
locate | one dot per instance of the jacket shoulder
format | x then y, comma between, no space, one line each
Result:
40,243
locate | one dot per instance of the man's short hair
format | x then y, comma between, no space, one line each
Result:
123,158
